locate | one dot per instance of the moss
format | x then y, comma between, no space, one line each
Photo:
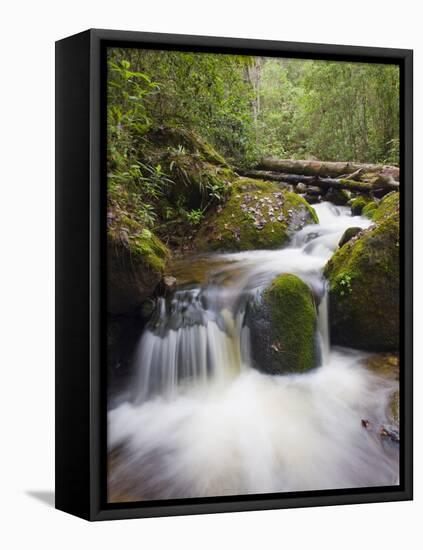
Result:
359,186
369,209
388,205
293,323
148,249
242,185
358,204
136,262
364,289
262,217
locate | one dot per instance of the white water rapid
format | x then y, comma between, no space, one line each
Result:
199,421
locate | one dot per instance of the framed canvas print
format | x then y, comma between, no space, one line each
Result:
234,274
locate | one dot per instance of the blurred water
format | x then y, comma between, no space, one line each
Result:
201,422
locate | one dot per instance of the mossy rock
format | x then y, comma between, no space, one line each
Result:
282,326
364,289
257,215
339,197
135,265
388,206
349,234
370,209
358,204
380,210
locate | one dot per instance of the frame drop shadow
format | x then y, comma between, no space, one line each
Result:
46,497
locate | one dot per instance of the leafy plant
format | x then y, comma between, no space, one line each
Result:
345,283
194,217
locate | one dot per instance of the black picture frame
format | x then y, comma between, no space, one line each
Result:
80,274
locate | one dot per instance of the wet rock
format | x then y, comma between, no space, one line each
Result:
169,282
301,188
339,197
384,364
313,190
146,309
134,268
358,204
312,199
282,325
364,293
349,233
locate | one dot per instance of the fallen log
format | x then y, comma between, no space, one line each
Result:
325,183
328,169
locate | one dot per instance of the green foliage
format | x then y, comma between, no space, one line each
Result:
207,93
345,284
194,217
174,117
329,110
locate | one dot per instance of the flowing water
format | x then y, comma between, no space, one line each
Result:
198,420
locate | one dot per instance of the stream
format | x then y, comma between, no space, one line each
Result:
198,420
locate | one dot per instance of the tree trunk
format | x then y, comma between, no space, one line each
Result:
328,169
325,183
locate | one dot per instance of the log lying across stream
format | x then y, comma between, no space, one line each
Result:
324,182
329,169
362,178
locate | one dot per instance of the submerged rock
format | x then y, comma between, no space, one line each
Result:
364,292
258,215
384,364
282,327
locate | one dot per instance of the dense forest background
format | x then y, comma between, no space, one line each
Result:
245,108
249,107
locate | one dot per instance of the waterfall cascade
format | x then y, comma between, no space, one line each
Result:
202,422
199,333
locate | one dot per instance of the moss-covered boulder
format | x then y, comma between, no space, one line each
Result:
358,204
282,325
369,209
257,215
349,234
389,205
364,288
135,265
